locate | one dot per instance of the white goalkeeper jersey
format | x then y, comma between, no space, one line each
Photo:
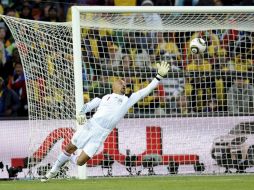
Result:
113,107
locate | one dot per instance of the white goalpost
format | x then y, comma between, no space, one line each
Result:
200,119
77,60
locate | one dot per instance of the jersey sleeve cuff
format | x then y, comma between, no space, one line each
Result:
158,77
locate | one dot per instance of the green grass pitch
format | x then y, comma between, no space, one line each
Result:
241,182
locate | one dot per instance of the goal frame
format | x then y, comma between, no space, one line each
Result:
76,35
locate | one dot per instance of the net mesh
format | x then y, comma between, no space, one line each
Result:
46,53
167,21
199,119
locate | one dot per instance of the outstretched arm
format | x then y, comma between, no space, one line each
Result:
163,68
81,117
89,106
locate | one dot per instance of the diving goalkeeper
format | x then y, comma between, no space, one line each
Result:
110,109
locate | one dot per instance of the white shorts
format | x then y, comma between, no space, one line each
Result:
90,138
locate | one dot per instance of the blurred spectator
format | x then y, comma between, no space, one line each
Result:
184,2
182,105
130,83
98,46
173,88
69,15
164,3
213,42
52,15
203,89
142,59
150,103
18,84
7,40
3,52
198,63
37,10
6,66
210,3
242,63
126,62
46,10
160,96
91,54
135,44
26,12
243,43
114,54
167,45
100,87
6,69
1,9
11,11
148,40
223,63
155,3
95,2
240,97
227,49
36,13
15,58
228,38
9,101
125,3
2,35
211,106
241,3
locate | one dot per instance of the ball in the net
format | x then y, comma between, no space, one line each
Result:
197,45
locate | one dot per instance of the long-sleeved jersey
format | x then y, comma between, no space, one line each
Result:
113,107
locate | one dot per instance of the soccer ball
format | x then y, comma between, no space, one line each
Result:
197,45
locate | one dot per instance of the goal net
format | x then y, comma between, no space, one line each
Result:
198,120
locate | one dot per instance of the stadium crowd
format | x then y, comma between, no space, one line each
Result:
200,89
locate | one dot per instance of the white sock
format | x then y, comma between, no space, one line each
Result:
61,160
74,159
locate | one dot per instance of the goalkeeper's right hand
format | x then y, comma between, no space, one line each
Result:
163,69
81,118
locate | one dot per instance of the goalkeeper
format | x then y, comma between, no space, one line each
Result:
111,108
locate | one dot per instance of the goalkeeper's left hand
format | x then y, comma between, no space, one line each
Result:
81,118
163,69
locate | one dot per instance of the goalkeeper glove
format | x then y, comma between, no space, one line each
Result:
81,118
163,69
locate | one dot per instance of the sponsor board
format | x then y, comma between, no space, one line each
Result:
184,140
